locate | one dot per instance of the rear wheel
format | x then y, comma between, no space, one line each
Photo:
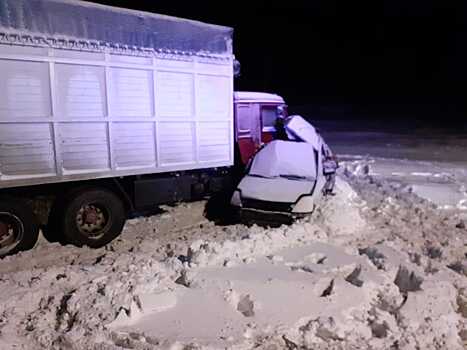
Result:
92,217
18,227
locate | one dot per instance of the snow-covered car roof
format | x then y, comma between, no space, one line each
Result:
287,159
50,20
248,96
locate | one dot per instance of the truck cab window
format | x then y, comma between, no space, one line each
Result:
244,120
268,116
244,123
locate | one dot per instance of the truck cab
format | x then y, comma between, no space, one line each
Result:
255,118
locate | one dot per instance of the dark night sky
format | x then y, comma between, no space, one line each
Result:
394,57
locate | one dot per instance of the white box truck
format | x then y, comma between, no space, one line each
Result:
107,111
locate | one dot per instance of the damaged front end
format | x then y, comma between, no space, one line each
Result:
285,179
273,214
282,184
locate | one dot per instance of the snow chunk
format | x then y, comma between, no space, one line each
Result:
340,214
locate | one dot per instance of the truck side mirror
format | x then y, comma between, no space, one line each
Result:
236,68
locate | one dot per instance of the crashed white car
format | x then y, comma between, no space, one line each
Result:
285,178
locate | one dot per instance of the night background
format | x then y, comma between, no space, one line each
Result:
388,61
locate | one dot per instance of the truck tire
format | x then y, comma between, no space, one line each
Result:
18,227
52,230
92,217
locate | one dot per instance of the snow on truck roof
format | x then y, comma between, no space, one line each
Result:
45,22
247,96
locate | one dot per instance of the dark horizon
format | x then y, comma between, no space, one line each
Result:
379,59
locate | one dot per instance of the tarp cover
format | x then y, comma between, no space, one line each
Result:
293,160
93,22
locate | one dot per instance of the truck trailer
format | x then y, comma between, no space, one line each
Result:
106,112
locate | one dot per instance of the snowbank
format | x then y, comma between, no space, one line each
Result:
377,266
341,214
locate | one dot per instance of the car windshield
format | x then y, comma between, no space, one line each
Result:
286,159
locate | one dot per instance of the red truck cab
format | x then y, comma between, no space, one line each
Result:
255,118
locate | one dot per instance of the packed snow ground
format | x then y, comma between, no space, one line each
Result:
375,267
431,162
443,183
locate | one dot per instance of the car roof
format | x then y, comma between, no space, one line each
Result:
249,96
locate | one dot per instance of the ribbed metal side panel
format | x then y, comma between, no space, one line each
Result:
185,63
176,142
24,89
213,97
131,59
26,149
69,115
80,90
133,144
84,146
80,55
131,92
214,142
23,50
174,94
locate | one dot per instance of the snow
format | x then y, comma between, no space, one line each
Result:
341,214
283,158
259,293
274,189
375,267
442,183
281,172
252,96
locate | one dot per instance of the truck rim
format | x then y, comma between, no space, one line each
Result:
92,220
11,232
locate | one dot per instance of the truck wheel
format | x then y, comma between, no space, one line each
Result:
92,217
18,227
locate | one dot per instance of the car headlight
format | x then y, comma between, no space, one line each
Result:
304,205
236,199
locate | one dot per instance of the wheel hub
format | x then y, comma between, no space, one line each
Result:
91,220
90,216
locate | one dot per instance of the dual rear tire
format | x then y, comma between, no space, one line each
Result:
18,226
87,216
90,216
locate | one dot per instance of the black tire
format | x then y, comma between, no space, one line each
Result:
17,217
219,210
52,230
73,226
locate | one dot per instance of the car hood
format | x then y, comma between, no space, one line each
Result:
276,189
285,158
299,129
